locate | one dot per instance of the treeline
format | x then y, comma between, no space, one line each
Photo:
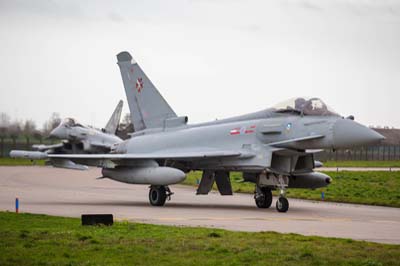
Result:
28,129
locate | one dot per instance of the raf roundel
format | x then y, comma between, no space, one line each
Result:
139,84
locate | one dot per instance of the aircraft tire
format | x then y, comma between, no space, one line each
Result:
157,195
265,201
282,204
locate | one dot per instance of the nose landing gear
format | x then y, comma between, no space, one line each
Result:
282,204
263,194
159,194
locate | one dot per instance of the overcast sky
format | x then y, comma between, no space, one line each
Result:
209,59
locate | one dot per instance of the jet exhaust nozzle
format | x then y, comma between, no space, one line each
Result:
159,175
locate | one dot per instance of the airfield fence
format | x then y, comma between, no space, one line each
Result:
373,153
8,144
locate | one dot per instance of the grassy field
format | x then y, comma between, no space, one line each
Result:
28,239
374,188
5,161
385,164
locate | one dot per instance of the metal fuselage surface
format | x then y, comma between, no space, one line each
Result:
85,139
248,133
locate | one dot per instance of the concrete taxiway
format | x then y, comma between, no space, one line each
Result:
71,193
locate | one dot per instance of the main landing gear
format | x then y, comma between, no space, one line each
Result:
263,197
159,194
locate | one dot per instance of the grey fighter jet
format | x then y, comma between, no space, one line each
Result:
273,148
77,139
86,139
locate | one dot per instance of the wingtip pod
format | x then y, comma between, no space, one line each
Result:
125,57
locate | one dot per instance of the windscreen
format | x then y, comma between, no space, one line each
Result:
305,106
70,122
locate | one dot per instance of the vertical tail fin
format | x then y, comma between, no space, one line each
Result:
112,124
148,108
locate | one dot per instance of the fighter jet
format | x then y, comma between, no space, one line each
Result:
273,148
78,139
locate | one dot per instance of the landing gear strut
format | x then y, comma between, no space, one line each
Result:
263,197
159,194
282,204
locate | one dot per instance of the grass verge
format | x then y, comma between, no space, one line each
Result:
366,164
6,161
44,240
373,188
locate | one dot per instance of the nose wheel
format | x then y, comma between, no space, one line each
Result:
159,194
282,204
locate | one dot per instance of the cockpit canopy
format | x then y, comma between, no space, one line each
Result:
305,106
70,122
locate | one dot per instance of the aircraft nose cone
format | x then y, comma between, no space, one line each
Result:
348,133
57,133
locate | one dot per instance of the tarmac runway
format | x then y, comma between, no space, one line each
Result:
72,193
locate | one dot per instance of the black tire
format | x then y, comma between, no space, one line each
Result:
157,195
265,201
282,204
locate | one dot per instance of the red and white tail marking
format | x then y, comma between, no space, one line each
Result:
139,84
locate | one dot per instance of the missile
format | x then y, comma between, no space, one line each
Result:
67,164
33,155
159,175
